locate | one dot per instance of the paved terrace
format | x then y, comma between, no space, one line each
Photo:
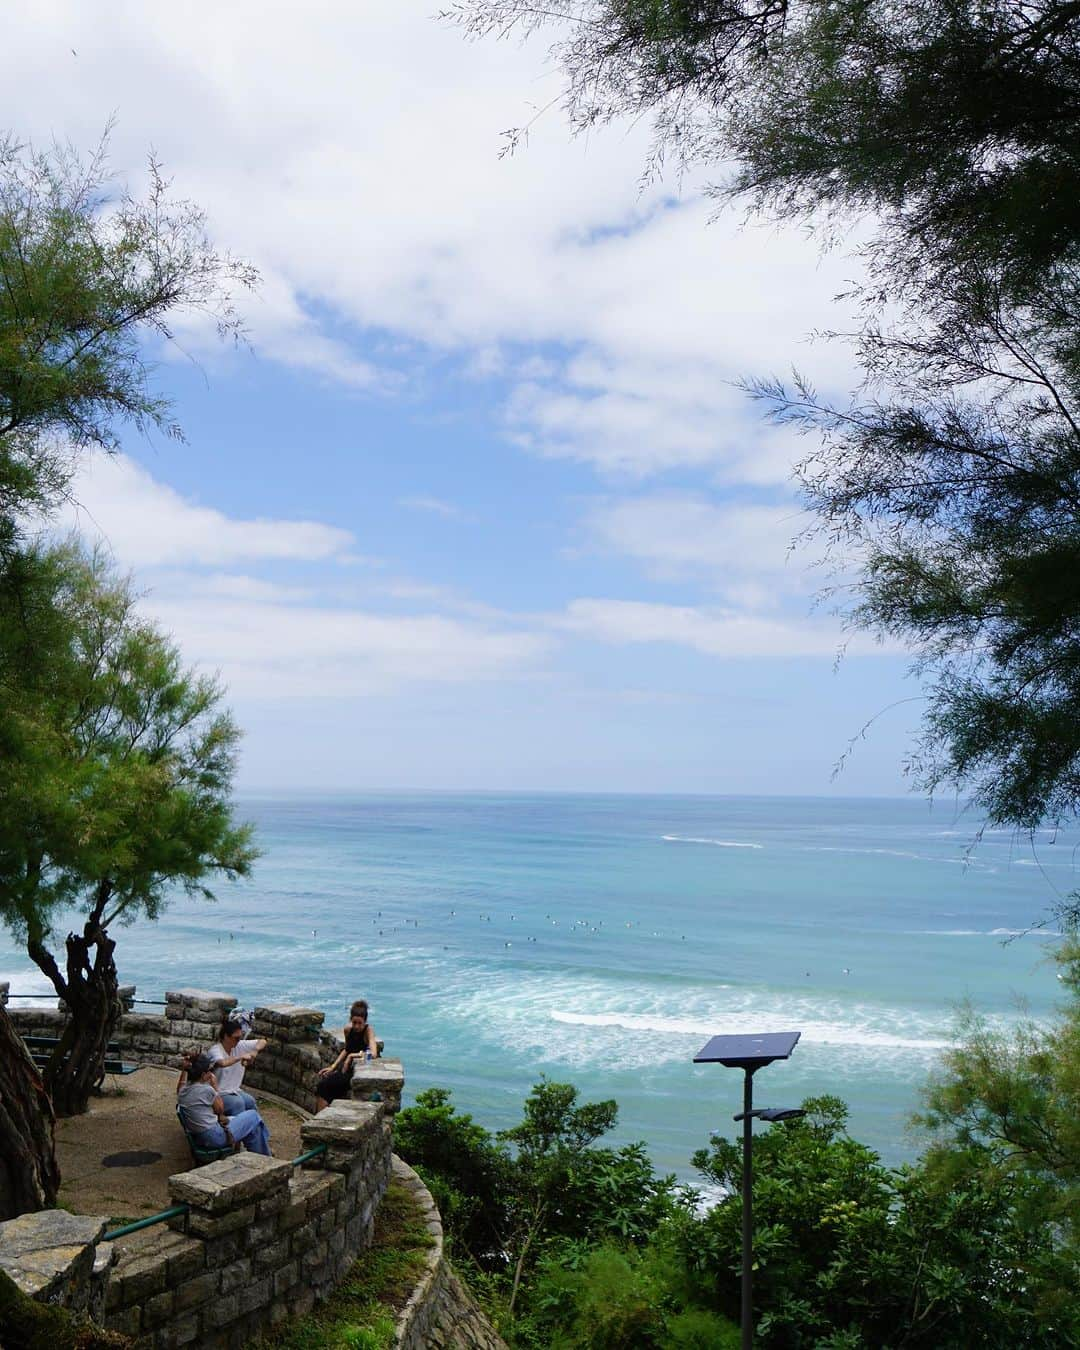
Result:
136,1114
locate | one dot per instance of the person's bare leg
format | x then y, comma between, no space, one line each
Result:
320,1105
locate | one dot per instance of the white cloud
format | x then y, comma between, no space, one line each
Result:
147,524
751,552
434,506
720,633
271,649
275,640
353,157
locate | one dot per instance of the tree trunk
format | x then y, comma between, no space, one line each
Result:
91,992
29,1176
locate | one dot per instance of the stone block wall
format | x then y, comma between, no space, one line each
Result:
441,1314
57,1257
297,1048
261,1239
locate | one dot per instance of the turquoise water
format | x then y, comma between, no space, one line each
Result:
603,939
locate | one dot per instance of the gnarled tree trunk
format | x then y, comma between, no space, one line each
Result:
91,991
29,1176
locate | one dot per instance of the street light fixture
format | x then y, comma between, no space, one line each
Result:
750,1053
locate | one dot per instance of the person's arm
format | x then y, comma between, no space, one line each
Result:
338,1063
222,1119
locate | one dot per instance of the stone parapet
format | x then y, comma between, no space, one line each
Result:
261,1240
441,1314
53,1257
379,1080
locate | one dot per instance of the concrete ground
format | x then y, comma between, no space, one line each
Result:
137,1113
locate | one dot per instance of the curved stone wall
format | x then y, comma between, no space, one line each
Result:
259,1240
263,1240
440,1312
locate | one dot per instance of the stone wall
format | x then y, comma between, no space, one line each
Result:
259,1240
297,1046
441,1314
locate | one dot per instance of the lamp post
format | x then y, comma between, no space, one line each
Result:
750,1053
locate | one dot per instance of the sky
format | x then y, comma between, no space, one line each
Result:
480,506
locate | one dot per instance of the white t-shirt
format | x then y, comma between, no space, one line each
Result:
230,1078
197,1106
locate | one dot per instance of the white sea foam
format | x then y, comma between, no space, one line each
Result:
28,980
813,1032
984,932
716,843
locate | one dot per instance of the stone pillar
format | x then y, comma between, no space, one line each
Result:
234,1208
196,1015
294,1052
357,1139
379,1080
53,1257
5,989
127,996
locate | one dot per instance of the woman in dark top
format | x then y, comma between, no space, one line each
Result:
360,1044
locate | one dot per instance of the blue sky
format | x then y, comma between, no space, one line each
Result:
481,507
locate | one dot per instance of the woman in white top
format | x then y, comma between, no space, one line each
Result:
205,1118
230,1055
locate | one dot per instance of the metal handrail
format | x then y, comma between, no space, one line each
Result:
149,1002
127,1228
315,1152
177,1210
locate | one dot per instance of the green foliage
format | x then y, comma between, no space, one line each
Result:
117,770
87,274
507,1199
1004,1117
465,1170
118,760
848,1252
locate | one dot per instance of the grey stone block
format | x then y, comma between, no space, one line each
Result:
285,1277
48,1251
230,1182
197,1292
157,1310
256,1294
206,1225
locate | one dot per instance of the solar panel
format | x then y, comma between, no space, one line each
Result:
748,1052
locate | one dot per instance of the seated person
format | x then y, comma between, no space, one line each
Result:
203,1113
360,1044
231,1054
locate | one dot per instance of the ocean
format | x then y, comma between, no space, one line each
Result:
600,940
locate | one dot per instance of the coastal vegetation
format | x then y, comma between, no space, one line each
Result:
117,761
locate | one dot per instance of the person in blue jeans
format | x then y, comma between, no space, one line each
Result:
232,1053
204,1115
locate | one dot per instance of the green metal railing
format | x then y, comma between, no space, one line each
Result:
148,1002
126,1229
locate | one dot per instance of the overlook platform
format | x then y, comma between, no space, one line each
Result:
137,1115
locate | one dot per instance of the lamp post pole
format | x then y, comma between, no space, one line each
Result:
750,1053
747,1317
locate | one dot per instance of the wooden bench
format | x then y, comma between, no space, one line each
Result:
42,1049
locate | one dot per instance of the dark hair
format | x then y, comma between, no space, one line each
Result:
231,1022
359,1009
199,1065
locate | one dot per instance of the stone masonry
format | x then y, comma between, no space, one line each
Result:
261,1240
